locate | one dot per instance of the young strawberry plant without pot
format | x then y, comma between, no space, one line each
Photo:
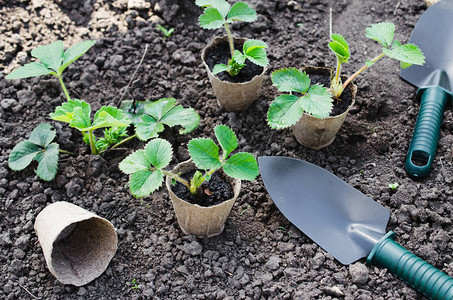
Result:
146,168
218,13
148,120
53,60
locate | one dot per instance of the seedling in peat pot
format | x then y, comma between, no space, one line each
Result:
146,167
53,60
218,13
383,33
287,109
166,32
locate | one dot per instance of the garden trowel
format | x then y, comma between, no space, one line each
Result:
345,222
433,34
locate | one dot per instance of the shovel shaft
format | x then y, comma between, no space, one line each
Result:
422,148
428,280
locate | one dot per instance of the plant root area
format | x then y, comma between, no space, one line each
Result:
260,254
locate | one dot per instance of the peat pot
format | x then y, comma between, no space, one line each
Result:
77,244
317,133
233,96
198,220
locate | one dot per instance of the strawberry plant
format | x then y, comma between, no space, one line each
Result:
287,109
383,33
38,147
146,168
218,13
53,60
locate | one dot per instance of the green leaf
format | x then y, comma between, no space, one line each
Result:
65,112
158,109
291,80
227,139
128,108
408,54
220,68
284,112
197,179
211,19
220,5
29,70
317,102
159,153
258,56
135,162
340,47
42,135
74,52
242,166
383,33
250,45
149,128
80,119
204,153
47,162
50,55
187,118
108,116
240,11
143,183
369,63
238,57
22,155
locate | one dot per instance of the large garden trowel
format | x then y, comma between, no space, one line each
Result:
433,34
345,222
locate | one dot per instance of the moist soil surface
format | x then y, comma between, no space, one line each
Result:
260,255
212,192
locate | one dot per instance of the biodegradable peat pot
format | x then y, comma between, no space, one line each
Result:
198,220
77,244
317,133
233,96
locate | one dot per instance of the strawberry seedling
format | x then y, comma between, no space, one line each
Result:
146,168
287,109
384,33
219,13
53,60
166,32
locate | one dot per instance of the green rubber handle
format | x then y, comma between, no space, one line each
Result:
428,280
425,138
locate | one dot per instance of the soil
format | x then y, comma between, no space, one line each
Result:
220,54
212,192
260,255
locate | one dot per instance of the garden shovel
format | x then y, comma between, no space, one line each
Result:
345,222
433,34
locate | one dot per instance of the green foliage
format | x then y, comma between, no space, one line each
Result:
78,114
217,13
38,147
166,32
340,47
253,50
112,136
53,60
384,33
146,167
393,186
149,118
286,110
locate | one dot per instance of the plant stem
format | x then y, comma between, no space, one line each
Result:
337,74
65,152
177,178
362,69
230,39
65,91
92,143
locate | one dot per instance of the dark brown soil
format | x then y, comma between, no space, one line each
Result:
220,54
260,254
212,192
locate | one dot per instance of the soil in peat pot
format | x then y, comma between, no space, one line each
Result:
260,254
212,192
220,54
